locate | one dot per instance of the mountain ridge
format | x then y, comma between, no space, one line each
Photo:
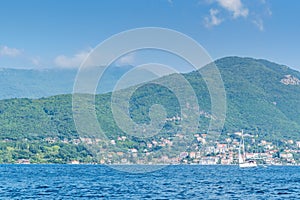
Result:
254,93
38,83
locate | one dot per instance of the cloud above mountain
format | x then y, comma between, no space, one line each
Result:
235,7
9,51
222,10
73,61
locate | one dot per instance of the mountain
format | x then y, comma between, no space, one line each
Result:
262,96
33,83
262,99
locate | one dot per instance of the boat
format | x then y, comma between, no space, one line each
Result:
243,161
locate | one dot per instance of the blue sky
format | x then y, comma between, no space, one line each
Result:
46,34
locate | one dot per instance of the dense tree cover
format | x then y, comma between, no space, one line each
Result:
43,152
256,101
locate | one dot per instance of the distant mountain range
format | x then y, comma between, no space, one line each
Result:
32,83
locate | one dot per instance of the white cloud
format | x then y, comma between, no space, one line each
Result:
234,6
269,11
260,10
36,61
259,23
11,52
212,19
72,61
170,2
127,59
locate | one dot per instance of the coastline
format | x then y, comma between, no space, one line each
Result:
181,164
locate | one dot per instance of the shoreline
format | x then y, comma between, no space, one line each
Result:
259,166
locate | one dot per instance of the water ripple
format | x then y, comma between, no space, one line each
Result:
173,182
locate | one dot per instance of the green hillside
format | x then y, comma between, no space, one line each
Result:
261,99
258,100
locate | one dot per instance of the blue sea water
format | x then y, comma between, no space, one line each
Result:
172,182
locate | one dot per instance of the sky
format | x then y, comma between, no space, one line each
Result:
60,34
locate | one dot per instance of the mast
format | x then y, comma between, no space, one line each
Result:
244,152
241,148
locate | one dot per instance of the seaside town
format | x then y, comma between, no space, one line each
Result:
201,151
205,153
163,150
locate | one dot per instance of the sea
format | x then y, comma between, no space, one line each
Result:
166,182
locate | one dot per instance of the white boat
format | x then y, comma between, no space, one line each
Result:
243,161
248,164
